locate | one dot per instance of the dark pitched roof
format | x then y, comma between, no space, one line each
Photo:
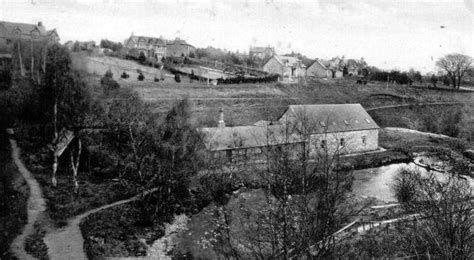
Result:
24,28
319,119
179,41
317,62
329,118
224,138
286,60
149,40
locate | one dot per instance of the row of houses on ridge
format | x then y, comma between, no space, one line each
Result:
290,68
158,48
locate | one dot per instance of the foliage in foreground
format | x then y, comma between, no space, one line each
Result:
444,224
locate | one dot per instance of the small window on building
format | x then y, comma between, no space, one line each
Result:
356,121
342,142
323,144
364,140
346,122
229,155
9,41
322,123
367,120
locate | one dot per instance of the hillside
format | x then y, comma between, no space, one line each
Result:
249,103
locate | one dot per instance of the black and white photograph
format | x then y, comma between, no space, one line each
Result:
238,129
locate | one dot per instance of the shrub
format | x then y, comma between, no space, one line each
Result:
141,77
5,79
177,78
141,58
403,186
108,83
124,75
109,74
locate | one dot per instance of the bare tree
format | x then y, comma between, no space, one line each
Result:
302,195
456,65
336,64
444,205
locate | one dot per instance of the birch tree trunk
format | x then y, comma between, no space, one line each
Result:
22,68
75,164
55,156
32,60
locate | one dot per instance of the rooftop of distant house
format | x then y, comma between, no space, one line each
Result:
12,28
157,40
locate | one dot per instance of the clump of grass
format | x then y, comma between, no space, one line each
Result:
34,244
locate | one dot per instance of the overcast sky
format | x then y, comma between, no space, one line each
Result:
388,34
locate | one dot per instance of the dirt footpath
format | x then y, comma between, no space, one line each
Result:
67,242
36,205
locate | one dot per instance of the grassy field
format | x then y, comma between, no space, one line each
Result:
247,103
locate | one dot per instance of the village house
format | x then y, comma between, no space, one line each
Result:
318,70
12,32
289,68
330,128
261,53
179,48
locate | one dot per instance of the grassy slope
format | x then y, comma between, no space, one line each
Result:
247,103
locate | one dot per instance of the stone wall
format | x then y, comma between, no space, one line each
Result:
345,142
273,66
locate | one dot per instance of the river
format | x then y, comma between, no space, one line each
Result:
376,182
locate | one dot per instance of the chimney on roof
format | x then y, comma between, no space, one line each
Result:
40,24
221,119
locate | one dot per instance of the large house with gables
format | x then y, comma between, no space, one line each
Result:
150,47
13,35
11,32
329,128
157,48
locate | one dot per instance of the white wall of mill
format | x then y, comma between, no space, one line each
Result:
352,139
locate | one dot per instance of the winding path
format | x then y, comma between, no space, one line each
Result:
67,242
411,131
419,104
36,203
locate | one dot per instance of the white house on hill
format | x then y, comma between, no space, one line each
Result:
289,68
332,128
